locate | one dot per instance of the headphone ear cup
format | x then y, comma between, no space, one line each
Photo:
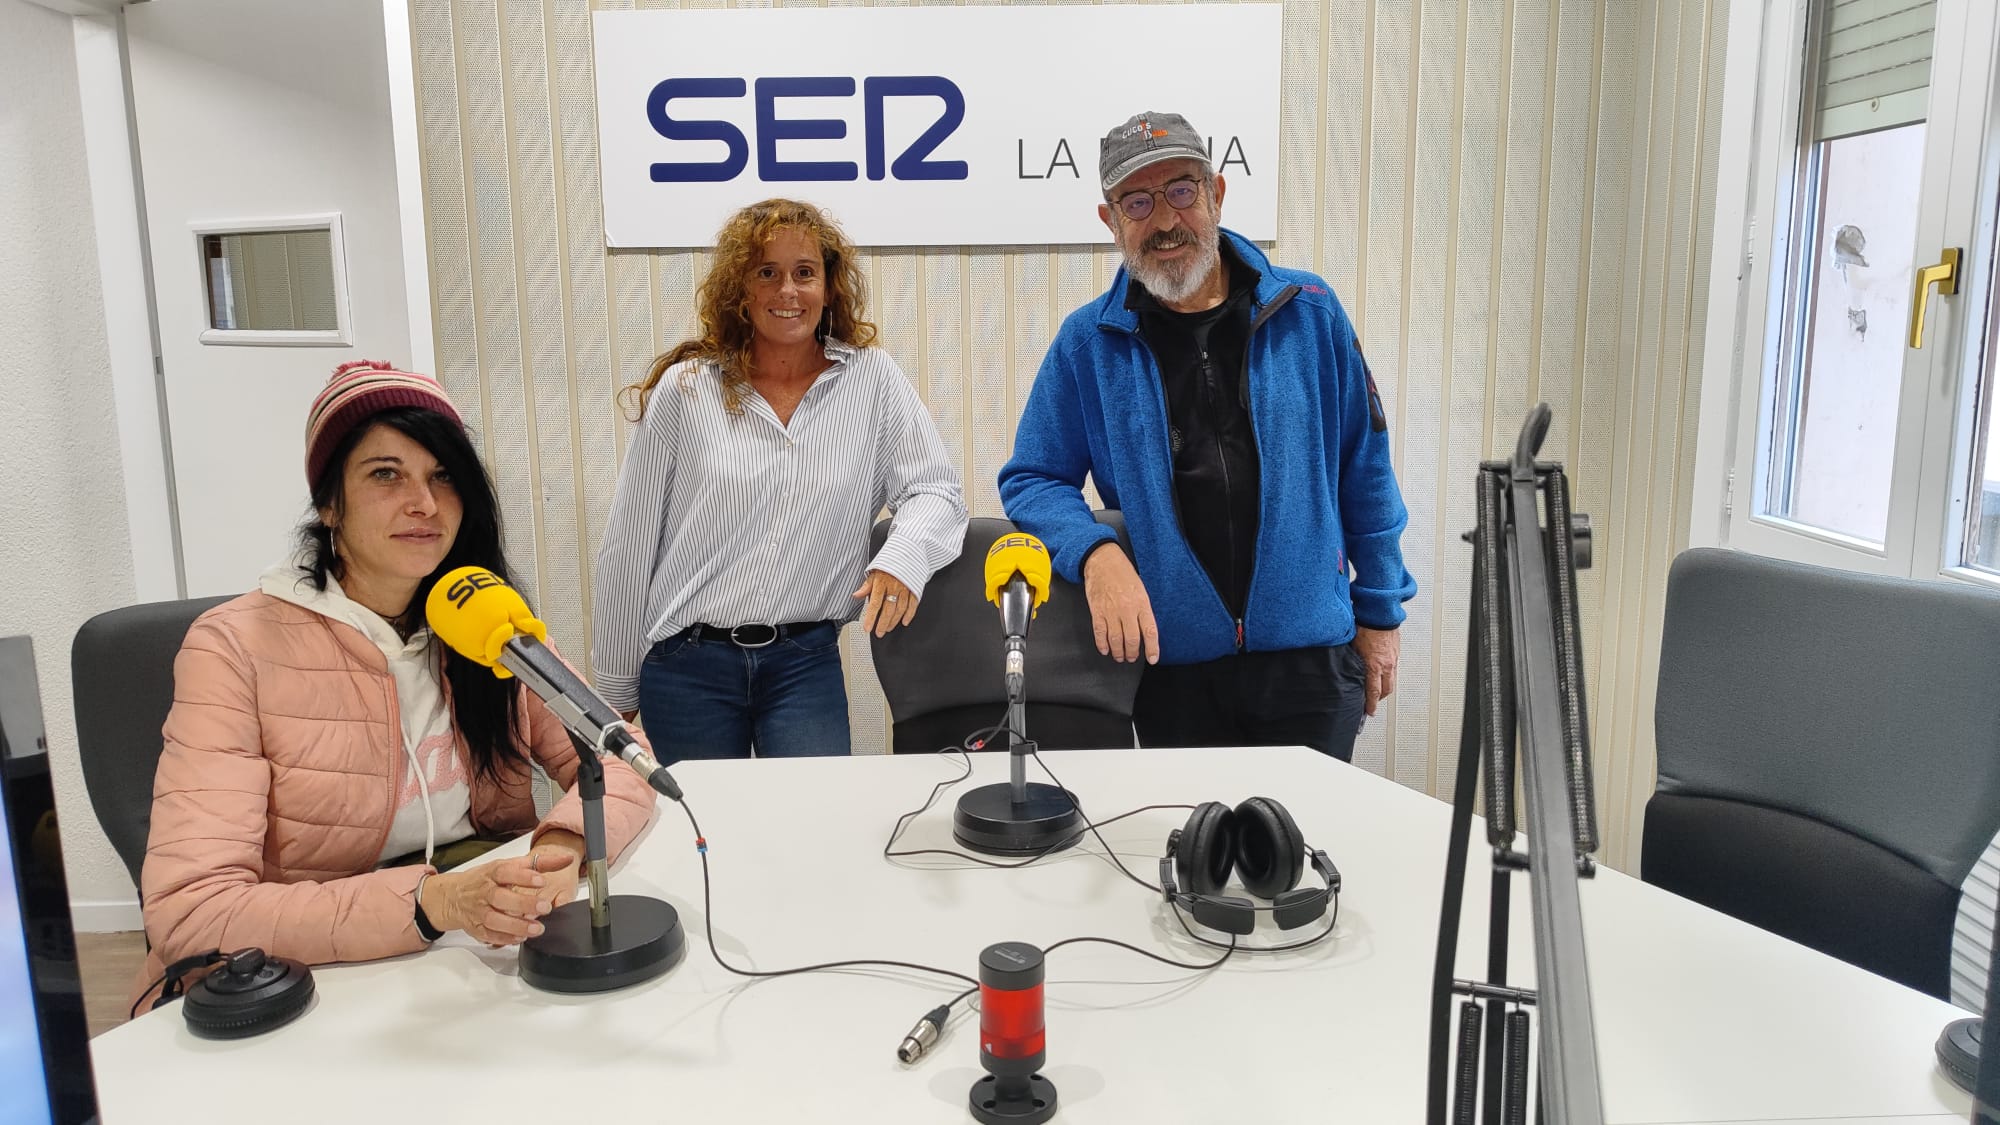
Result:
1270,852
1207,848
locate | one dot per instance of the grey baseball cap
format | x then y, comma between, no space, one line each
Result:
1145,139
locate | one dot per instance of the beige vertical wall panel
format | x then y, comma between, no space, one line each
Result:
544,301
1517,299
496,292
1697,96
1631,409
1632,455
1031,322
589,377
1469,262
896,306
1561,270
990,381
1420,403
1566,186
1337,190
629,279
1510,196
945,355
1601,305
1299,129
1704,194
1378,303
454,320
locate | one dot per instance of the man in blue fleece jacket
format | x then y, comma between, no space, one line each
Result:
1223,405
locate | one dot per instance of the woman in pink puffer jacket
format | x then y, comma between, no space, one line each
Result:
323,747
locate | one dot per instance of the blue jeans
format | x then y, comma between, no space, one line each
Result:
708,698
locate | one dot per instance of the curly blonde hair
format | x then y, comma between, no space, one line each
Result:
723,304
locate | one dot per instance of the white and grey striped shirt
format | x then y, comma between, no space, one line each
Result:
734,519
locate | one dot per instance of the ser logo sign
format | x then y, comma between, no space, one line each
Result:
681,122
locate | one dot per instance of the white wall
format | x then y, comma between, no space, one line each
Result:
65,544
135,386
251,110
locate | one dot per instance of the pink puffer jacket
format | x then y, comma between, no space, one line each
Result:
276,790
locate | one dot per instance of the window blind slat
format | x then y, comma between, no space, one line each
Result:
1874,66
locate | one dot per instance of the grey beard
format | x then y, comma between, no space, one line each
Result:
1175,282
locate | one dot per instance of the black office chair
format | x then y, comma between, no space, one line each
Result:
1829,755
942,672
122,674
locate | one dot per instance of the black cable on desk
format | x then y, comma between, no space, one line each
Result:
974,741
938,1016
708,924
934,1021
1093,828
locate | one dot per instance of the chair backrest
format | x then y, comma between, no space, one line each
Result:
122,674
942,672
1829,754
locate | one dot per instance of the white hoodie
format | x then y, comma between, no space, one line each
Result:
434,802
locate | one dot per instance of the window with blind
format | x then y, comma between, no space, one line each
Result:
1834,417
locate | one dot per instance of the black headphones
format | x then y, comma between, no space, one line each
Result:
246,993
1261,843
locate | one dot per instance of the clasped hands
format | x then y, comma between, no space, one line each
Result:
503,902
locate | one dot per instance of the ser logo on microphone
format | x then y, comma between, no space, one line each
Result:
461,591
1007,542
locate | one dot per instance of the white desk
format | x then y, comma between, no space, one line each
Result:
1700,1018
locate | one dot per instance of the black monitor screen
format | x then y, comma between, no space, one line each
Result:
45,1076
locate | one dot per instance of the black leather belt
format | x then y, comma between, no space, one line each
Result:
752,636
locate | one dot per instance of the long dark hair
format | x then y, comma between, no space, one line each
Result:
484,708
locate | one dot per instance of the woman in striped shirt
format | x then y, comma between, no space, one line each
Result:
738,539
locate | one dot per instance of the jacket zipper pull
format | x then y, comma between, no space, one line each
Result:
1239,634
1207,378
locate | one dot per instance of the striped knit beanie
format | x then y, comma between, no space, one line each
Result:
358,391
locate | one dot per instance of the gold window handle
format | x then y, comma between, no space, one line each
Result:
1945,274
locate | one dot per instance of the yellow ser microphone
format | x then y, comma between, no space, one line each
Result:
1017,580
474,611
1015,817
1018,572
486,621
607,941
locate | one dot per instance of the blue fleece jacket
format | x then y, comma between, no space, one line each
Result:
1328,491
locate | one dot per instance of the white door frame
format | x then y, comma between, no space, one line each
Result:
1968,220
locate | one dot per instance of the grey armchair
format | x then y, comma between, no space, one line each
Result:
1829,755
122,672
942,672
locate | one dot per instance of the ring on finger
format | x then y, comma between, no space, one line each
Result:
889,597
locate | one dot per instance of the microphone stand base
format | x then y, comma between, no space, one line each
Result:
988,820
643,940
1013,1100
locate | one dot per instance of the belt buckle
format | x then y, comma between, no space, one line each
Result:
766,635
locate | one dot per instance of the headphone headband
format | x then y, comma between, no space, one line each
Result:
1268,835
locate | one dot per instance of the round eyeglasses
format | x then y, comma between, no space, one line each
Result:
1179,194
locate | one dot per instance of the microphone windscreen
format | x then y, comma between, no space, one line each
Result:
1017,551
475,612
